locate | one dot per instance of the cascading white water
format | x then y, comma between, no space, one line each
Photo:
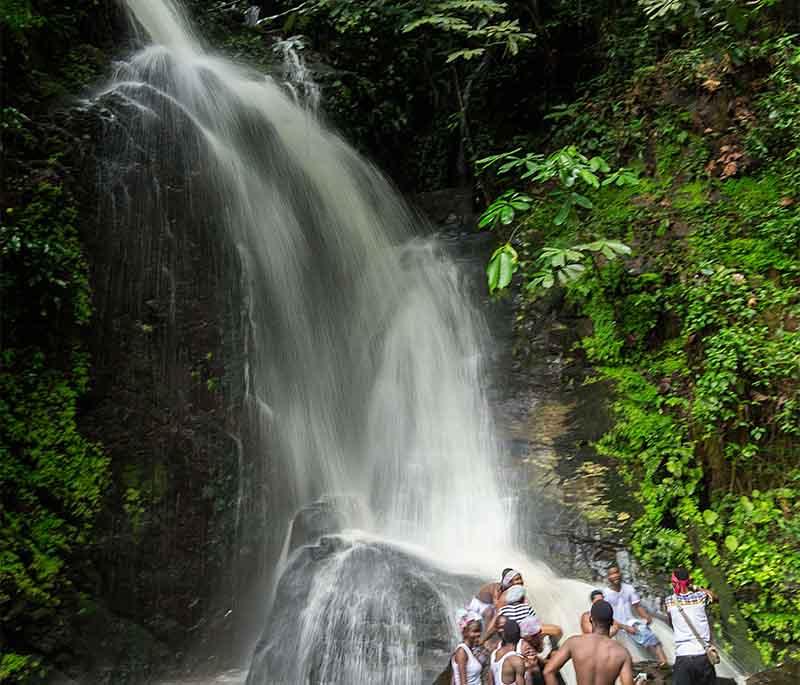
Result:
364,371
297,76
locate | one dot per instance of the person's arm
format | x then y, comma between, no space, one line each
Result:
553,631
489,629
461,664
490,681
626,673
617,626
557,659
519,670
711,596
586,624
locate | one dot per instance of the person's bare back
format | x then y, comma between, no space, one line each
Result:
598,660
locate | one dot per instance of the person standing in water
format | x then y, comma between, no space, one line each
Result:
598,659
686,609
506,665
625,600
586,623
466,667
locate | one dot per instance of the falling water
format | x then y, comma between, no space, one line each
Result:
296,75
364,374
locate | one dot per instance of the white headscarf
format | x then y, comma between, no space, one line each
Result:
530,626
507,578
464,617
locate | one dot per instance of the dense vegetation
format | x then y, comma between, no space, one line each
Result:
642,158
698,329
52,478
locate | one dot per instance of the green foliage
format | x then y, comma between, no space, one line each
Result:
470,21
18,15
562,172
51,478
501,268
563,265
504,209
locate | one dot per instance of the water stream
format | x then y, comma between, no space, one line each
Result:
365,375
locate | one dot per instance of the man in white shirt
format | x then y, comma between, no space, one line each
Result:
625,600
692,666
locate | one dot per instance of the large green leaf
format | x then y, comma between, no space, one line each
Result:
563,213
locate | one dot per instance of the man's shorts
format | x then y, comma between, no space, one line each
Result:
693,670
644,636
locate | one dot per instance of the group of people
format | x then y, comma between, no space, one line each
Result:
505,643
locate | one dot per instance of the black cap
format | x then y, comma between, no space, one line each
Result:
595,593
602,612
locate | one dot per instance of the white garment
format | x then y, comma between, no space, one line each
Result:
694,605
474,667
478,606
622,602
497,666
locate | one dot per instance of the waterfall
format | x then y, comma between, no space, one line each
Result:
297,76
364,373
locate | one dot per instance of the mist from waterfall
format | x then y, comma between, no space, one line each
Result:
364,371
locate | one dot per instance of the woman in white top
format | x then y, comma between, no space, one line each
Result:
466,667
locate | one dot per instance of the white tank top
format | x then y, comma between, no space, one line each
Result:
474,667
497,666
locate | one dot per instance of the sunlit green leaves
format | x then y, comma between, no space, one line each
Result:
502,267
505,209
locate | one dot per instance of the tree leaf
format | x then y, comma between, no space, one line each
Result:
506,214
582,200
493,272
732,543
507,268
710,517
563,213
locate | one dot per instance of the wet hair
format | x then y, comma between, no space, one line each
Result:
511,632
595,593
503,574
602,614
612,567
681,573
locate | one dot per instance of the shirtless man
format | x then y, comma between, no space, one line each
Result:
506,666
598,659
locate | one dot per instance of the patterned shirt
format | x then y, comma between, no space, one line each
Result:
694,606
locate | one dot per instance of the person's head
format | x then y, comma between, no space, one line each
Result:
530,629
680,581
500,624
469,623
510,632
472,633
596,595
602,616
510,578
614,576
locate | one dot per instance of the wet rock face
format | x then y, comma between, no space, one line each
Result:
786,674
350,610
163,403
